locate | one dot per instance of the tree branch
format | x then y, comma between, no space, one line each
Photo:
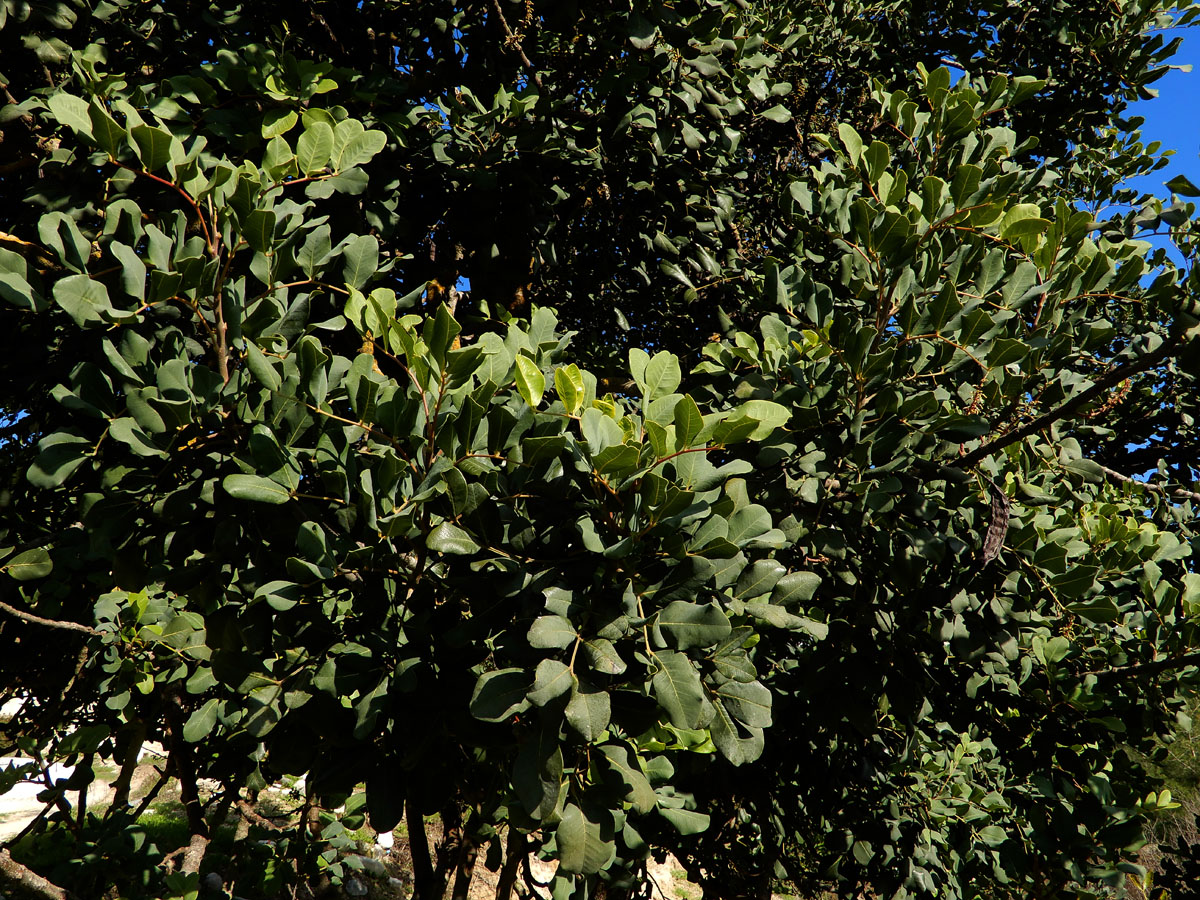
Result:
1153,668
514,42
20,878
1179,493
49,623
1102,384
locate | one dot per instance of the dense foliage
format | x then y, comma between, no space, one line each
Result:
807,540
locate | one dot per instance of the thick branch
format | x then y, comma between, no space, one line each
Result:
254,817
514,852
1103,383
49,623
425,883
185,770
22,879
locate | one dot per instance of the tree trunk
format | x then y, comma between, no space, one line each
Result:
514,852
425,883
128,765
468,851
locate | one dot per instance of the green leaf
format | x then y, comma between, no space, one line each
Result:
261,368
278,122
111,137
992,835
638,792
83,299
500,694
851,141
531,383
688,422
359,149
59,232
690,624
568,382
1096,609
280,595
588,711
766,413
537,774
133,270
778,113
153,146
314,147
749,703
551,633
662,376
1075,582
259,230
71,111
781,618
200,723
794,588
602,656
729,741
685,821
1022,218
451,539
255,489
638,361
30,564
60,455
758,579
361,259
1180,184
581,849
677,688
748,523
439,332
1088,469
551,679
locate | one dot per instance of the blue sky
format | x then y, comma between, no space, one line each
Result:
1174,116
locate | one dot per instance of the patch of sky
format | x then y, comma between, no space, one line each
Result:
1173,118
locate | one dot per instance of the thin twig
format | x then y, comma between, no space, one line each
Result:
182,193
1151,668
1155,488
49,623
511,40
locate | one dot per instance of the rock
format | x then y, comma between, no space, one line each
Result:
385,840
368,864
354,887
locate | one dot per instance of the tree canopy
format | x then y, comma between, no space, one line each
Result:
754,432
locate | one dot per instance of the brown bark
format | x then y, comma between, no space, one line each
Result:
425,882
24,880
128,765
514,852
185,770
468,852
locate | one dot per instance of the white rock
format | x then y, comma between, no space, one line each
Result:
385,840
373,867
11,707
